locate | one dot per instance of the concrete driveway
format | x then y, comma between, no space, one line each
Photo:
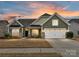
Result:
67,47
63,43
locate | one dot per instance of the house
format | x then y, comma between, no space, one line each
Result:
19,27
3,27
46,26
74,27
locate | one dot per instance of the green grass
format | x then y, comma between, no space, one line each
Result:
30,55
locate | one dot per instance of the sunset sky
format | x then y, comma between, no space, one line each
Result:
34,9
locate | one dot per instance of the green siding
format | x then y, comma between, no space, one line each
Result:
61,24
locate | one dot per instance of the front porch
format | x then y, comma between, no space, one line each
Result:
32,32
29,32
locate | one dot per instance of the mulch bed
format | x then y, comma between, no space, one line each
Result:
24,43
77,39
10,38
30,55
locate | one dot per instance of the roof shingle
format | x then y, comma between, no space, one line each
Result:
41,19
3,22
26,22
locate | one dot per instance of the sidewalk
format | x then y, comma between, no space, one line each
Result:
67,48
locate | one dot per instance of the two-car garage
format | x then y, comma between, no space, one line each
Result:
55,33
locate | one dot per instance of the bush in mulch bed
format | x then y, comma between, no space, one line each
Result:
69,35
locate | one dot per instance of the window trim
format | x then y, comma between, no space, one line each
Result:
55,22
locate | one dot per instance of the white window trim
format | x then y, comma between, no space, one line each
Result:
54,22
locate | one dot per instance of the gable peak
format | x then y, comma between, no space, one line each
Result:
46,14
55,13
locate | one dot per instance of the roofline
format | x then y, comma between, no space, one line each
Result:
73,21
56,15
5,21
17,22
27,18
39,18
63,18
48,19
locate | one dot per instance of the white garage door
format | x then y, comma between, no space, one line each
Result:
15,32
55,33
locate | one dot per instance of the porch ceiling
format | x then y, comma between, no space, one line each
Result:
34,27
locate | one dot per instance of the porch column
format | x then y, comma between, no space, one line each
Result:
42,32
29,33
22,31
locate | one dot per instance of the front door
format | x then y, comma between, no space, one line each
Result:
26,33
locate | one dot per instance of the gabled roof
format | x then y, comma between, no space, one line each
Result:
26,22
74,20
73,17
44,19
60,17
46,15
3,22
15,23
41,19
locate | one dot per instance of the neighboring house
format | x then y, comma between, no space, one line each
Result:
74,27
46,26
3,27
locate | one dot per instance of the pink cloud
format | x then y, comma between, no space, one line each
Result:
41,8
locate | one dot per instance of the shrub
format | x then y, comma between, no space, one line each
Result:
7,35
69,34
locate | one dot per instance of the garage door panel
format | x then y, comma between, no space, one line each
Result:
54,34
55,29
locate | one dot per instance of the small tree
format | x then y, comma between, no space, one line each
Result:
69,34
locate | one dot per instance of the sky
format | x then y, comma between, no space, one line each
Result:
33,9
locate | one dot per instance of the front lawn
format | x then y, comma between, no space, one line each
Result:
24,43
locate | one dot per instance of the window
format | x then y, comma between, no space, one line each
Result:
15,32
35,33
54,22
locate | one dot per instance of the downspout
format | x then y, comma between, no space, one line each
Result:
42,32
69,25
8,28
